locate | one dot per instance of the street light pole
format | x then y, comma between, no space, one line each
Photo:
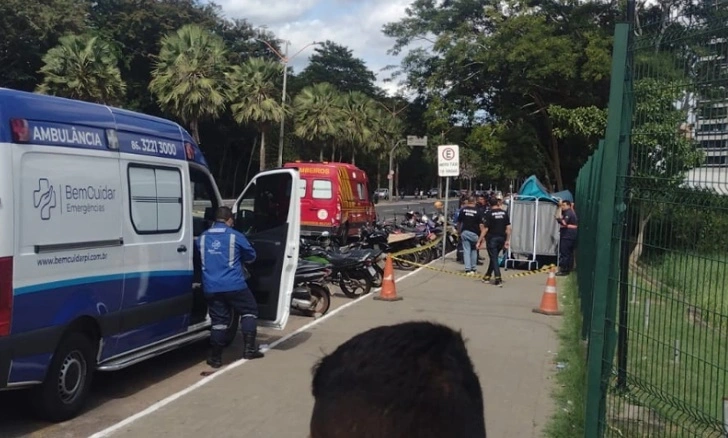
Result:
391,170
284,60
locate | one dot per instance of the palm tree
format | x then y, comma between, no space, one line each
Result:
256,96
188,79
317,114
83,67
388,130
359,120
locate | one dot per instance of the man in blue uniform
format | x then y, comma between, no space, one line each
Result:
223,250
568,223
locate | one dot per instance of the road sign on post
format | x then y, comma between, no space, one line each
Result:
448,164
413,140
448,160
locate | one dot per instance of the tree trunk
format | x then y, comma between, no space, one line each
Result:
341,155
333,153
553,147
195,130
379,174
643,220
222,162
353,156
250,161
396,180
237,167
262,150
321,154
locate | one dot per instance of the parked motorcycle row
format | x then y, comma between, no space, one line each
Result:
356,268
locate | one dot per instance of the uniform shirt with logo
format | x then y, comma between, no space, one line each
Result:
496,221
470,219
569,222
223,251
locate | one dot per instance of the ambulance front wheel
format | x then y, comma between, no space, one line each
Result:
65,389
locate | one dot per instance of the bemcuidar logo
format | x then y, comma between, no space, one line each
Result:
44,198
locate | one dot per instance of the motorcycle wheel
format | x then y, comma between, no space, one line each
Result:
355,287
405,264
322,297
377,281
425,256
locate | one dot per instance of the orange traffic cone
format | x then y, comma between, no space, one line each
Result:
549,300
389,290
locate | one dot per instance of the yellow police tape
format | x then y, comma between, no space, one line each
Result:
418,249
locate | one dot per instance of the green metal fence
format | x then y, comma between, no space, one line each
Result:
652,258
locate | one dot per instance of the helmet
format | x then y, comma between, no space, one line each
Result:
438,204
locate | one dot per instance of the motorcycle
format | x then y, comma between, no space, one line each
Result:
389,239
352,271
310,295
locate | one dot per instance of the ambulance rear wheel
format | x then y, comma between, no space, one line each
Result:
65,389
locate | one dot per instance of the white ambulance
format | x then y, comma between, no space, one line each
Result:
97,267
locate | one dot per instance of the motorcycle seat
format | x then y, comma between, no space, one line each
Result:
309,266
340,260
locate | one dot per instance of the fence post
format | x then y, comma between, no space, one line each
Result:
606,252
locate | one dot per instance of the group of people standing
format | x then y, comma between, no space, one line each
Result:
483,220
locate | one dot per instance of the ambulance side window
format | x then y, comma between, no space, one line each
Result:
156,199
321,189
265,204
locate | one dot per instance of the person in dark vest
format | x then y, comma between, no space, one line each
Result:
568,223
223,250
497,237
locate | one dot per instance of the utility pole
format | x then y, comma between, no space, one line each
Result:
284,60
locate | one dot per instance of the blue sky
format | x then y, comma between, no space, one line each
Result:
356,24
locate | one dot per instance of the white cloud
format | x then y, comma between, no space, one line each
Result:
354,24
262,12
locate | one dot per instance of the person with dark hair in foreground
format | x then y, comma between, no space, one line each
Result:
407,380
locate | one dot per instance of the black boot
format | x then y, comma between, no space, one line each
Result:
250,348
215,358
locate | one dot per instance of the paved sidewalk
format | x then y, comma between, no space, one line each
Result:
511,347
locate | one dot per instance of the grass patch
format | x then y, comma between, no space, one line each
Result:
677,364
570,394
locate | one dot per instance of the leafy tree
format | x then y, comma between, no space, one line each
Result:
661,154
83,67
358,117
512,61
138,26
28,29
257,97
244,41
335,64
317,115
189,76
